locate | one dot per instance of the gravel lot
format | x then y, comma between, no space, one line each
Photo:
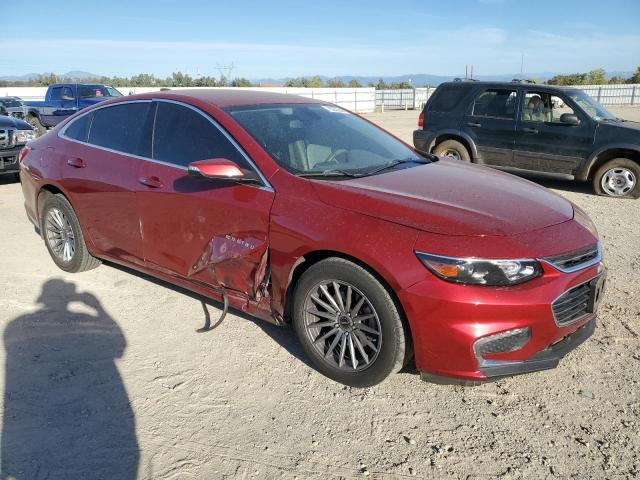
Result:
106,377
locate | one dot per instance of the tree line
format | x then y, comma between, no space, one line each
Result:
179,79
594,77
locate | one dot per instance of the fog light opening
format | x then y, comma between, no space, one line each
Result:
502,342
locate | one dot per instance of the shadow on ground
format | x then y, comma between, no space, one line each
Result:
66,411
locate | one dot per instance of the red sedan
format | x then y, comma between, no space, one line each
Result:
297,211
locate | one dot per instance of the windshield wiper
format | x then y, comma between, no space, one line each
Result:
396,162
329,173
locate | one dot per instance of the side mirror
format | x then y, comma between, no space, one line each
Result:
216,169
570,119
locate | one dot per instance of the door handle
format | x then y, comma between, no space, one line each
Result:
530,130
76,163
153,182
473,124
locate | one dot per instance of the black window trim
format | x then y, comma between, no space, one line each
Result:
514,89
61,134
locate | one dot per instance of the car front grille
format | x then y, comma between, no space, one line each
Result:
576,260
7,137
572,305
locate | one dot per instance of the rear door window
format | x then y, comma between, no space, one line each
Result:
496,103
123,128
183,135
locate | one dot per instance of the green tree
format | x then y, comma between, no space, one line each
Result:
354,83
617,80
381,85
335,83
597,77
635,78
241,82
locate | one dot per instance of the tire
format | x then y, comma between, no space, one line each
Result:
453,149
377,355
37,125
63,236
619,177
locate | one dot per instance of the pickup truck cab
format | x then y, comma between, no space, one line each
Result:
63,100
524,127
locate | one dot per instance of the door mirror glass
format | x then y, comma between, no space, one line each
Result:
569,119
216,169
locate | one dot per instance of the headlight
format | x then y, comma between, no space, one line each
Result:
477,271
23,136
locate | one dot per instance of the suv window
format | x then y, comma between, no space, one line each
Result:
182,135
543,107
446,99
78,129
496,103
122,127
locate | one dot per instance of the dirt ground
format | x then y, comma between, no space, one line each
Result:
106,377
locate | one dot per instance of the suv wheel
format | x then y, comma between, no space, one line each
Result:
452,149
619,177
63,237
348,324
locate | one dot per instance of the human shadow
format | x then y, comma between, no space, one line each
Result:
66,410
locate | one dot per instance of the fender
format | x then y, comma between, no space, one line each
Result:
461,134
582,172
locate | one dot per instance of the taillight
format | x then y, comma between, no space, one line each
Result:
23,153
421,119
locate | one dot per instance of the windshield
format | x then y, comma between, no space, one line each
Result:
314,138
97,91
590,106
10,102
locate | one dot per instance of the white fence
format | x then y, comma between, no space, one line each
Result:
360,100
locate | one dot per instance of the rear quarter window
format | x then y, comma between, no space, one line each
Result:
447,98
79,129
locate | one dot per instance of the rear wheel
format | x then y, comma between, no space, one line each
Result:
452,149
37,125
348,324
63,236
619,177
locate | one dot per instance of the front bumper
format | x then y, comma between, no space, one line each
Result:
448,319
9,160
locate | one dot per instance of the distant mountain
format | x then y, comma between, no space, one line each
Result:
74,75
423,79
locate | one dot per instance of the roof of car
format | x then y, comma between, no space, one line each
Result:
222,97
512,83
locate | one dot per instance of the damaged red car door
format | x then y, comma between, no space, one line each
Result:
210,232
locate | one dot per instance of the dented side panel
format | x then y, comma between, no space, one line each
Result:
210,233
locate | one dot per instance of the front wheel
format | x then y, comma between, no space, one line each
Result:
348,324
619,177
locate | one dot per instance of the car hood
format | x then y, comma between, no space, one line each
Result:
450,197
11,122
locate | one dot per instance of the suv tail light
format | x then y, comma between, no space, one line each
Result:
421,119
23,153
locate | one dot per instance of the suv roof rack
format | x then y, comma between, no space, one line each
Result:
458,79
522,80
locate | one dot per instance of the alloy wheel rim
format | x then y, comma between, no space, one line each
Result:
342,325
618,181
452,154
60,236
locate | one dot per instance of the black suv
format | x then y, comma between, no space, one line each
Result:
536,128
14,134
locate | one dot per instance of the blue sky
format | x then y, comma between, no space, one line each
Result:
292,38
